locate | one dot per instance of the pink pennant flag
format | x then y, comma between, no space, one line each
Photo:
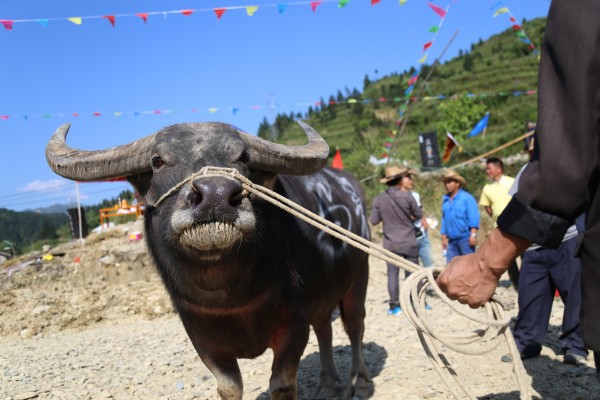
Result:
373,2
427,45
143,16
413,80
438,10
110,18
75,114
4,117
187,12
512,19
314,5
8,24
219,12
96,114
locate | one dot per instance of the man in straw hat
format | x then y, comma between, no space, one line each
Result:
460,217
397,209
562,180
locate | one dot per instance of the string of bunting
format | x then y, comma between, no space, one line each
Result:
218,11
415,77
500,8
235,110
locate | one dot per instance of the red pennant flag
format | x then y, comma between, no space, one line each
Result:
516,27
143,16
187,12
8,25
220,12
111,18
439,11
512,19
413,80
4,117
373,2
96,114
337,160
314,5
76,114
427,45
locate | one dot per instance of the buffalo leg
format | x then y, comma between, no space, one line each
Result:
353,315
287,351
329,376
227,372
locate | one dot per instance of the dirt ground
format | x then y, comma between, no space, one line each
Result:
95,322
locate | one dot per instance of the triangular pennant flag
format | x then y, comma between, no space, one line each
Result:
4,117
250,10
373,2
434,29
42,22
423,59
8,24
25,117
512,19
219,12
118,114
451,143
213,110
402,2
427,45
187,12
343,3
143,16
516,27
481,126
314,5
110,18
235,110
500,11
521,34
412,80
409,90
438,10
75,20
75,114
281,8
96,114
337,161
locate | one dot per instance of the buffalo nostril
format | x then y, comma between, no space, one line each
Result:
236,198
195,198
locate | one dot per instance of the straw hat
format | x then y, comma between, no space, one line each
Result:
395,172
451,175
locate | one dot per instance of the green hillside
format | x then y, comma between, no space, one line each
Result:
484,78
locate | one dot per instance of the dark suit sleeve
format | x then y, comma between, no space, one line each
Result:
554,187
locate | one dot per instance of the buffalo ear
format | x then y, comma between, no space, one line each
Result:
141,182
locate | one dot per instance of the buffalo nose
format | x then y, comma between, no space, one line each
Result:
216,197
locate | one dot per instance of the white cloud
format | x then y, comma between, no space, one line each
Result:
52,185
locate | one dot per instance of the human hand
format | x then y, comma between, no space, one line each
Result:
465,280
472,241
472,279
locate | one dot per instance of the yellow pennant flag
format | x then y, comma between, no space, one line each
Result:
75,20
402,2
422,60
351,100
500,11
250,10
118,114
213,110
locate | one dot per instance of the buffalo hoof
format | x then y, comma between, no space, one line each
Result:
358,391
284,394
326,392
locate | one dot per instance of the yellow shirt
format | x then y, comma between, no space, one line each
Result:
496,195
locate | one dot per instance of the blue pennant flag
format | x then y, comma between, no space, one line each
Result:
481,126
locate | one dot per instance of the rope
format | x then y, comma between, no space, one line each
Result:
412,300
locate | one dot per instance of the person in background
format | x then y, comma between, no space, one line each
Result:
460,217
562,180
495,197
397,209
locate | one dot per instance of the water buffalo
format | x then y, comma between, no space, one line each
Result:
244,275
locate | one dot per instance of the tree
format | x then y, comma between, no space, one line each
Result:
366,82
47,231
459,116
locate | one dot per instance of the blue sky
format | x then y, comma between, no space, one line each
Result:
262,65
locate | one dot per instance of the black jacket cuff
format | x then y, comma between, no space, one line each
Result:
521,220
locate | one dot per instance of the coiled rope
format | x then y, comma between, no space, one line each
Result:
477,342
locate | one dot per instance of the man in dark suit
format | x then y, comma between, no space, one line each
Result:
562,180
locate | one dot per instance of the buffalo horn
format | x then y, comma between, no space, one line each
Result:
80,165
283,159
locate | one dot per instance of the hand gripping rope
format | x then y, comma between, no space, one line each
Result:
475,342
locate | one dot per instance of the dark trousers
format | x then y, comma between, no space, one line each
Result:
393,275
542,272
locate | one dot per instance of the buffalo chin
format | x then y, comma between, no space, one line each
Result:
211,236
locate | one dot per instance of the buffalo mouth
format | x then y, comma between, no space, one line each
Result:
211,236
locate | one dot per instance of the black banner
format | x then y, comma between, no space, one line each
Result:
430,154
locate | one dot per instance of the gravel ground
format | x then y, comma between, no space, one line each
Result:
95,323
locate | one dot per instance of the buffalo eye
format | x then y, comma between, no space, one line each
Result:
244,158
157,162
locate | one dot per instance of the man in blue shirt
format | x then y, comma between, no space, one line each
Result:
460,217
